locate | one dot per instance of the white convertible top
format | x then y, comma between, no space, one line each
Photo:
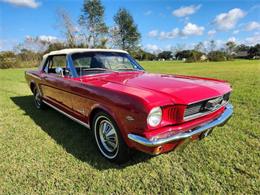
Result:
80,50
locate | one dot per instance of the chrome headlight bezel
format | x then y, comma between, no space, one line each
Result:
154,117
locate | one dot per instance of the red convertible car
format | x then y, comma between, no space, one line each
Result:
125,107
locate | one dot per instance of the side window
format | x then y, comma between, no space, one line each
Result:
53,62
59,61
47,65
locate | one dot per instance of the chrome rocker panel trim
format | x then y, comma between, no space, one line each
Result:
156,142
66,114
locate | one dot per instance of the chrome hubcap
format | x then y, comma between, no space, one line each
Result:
108,136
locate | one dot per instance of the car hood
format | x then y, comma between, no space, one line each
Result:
181,89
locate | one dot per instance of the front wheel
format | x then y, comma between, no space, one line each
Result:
108,138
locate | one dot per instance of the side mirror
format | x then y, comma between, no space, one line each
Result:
59,71
66,72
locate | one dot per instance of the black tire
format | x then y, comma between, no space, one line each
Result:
38,99
109,142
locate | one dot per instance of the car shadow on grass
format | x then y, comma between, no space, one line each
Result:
74,138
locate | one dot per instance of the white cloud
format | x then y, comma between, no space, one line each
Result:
169,35
211,32
255,39
153,33
185,11
227,21
42,38
50,39
152,48
39,43
147,13
23,3
232,39
252,26
192,29
188,30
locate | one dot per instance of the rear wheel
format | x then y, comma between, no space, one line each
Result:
38,99
108,138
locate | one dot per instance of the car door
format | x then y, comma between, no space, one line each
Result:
55,87
80,101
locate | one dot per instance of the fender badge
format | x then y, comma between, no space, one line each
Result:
130,118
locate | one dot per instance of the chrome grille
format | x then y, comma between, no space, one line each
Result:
193,109
201,108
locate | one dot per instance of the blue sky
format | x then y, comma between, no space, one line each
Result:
163,24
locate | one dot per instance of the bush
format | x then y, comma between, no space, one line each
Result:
23,59
254,52
165,55
217,56
195,56
8,60
142,55
189,55
184,54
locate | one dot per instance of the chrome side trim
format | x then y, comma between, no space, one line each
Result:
34,76
67,115
160,141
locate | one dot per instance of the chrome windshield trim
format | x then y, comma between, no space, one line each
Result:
152,142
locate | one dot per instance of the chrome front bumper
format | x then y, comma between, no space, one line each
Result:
221,120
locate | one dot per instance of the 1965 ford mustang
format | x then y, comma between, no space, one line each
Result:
125,107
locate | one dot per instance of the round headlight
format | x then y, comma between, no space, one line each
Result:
155,116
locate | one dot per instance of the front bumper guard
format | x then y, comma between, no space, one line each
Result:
220,121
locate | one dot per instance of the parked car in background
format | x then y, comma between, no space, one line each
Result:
125,107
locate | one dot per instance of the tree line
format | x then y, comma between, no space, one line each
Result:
91,31
200,53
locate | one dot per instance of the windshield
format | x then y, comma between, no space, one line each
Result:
100,62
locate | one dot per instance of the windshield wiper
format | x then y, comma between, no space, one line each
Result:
96,69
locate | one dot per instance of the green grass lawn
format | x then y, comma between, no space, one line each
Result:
44,152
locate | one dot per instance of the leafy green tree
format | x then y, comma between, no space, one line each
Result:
212,45
165,55
241,48
92,20
125,34
217,56
183,54
231,45
254,51
55,46
194,56
142,55
189,55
